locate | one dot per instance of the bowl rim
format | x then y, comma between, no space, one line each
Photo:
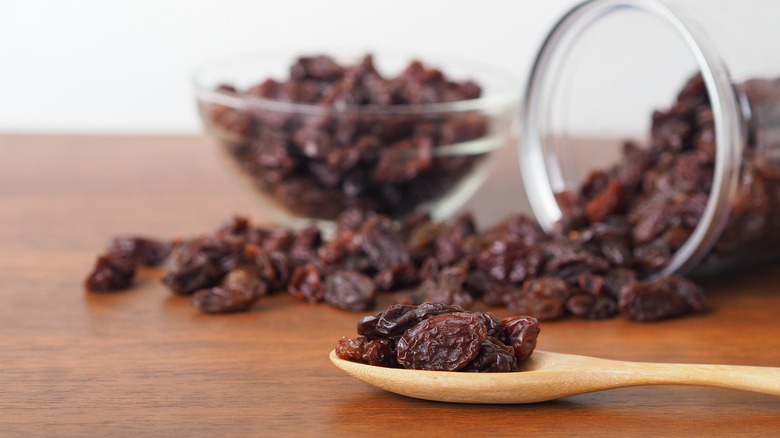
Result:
508,96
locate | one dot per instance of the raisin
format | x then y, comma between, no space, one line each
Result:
653,256
306,284
141,250
522,332
493,325
510,261
606,203
350,290
404,161
421,243
316,67
493,357
545,309
200,263
111,273
567,260
692,294
478,283
273,267
239,291
553,288
591,283
573,214
616,279
449,249
383,244
396,277
447,287
304,247
380,352
662,298
350,349
376,352
591,307
398,318
446,342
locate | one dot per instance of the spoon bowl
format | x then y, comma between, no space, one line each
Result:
549,376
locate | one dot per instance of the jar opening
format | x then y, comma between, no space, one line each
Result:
603,70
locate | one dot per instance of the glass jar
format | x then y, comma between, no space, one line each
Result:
597,80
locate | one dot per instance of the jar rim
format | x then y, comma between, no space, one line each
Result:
729,129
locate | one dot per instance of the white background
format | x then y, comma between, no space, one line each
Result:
111,66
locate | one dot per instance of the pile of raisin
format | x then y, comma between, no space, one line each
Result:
643,209
651,201
318,165
512,264
441,337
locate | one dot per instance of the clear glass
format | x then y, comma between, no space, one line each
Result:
251,130
608,64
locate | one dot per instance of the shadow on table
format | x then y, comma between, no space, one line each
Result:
625,412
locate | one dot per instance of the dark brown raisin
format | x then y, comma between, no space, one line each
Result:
662,298
449,242
591,306
380,352
510,261
591,283
141,250
493,325
447,287
445,342
273,267
398,318
306,284
606,203
522,332
383,244
111,273
493,357
241,288
396,277
350,290
616,279
201,263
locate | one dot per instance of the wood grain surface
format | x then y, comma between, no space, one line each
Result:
144,362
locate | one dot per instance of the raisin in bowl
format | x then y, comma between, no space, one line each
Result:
387,132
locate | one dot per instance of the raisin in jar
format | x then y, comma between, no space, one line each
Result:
659,122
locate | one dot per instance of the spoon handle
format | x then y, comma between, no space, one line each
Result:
763,380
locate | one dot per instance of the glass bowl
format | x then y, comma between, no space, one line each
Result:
312,161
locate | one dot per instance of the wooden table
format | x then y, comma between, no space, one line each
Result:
145,362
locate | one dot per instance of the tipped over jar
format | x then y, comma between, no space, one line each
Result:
657,124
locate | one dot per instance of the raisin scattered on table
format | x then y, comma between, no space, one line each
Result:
661,298
512,264
240,289
115,270
142,250
350,290
111,273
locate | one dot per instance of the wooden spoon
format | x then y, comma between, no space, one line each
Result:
548,376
